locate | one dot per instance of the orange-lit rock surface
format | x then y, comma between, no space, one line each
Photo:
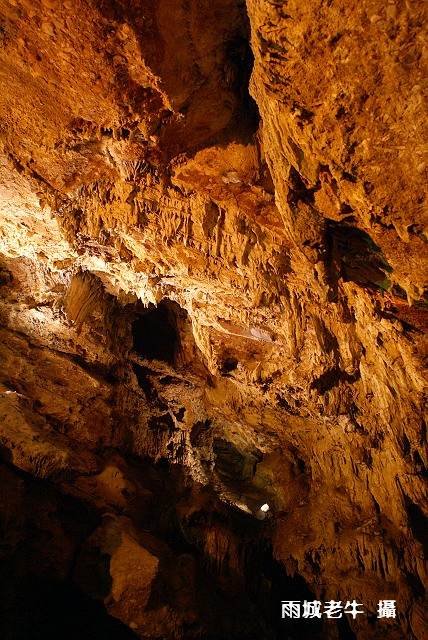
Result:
214,295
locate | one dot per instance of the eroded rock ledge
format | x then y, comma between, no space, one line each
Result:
214,290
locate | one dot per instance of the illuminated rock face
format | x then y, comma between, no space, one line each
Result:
212,301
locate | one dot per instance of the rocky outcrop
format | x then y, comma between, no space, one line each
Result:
214,296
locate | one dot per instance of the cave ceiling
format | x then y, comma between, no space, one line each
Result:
213,318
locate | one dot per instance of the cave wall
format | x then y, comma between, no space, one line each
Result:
247,183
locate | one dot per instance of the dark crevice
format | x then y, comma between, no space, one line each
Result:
398,292
299,191
332,378
229,364
406,445
349,177
356,258
239,62
144,381
418,523
199,432
419,465
155,334
161,423
179,415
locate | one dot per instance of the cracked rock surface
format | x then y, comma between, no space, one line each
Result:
213,296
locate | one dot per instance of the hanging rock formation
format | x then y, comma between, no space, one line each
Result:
214,295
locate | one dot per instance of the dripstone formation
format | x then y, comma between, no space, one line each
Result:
214,297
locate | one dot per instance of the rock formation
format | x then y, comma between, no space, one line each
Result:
214,292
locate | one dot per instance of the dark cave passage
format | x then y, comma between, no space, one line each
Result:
43,609
155,333
288,588
239,62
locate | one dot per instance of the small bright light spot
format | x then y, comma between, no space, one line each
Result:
264,507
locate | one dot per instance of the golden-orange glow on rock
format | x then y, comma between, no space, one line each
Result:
213,315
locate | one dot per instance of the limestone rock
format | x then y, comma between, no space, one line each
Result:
211,301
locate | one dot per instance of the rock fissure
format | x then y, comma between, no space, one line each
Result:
213,300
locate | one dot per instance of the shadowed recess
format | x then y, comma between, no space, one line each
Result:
155,334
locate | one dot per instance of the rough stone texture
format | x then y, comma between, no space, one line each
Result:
212,301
